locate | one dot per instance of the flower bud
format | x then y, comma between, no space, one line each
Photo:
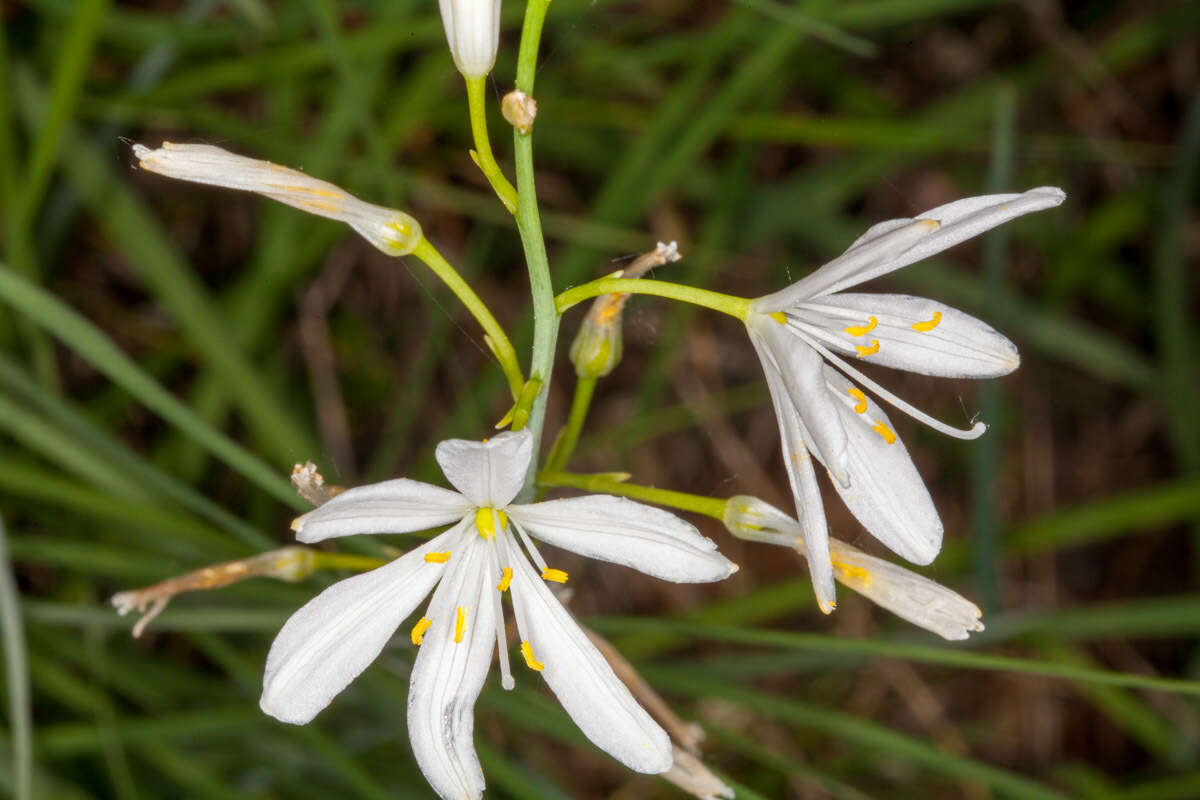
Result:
473,33
596,350
392,231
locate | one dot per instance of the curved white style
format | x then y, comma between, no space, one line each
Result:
799,333
328,642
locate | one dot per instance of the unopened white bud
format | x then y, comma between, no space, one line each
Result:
473,33
392,231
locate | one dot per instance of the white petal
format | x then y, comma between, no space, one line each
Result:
489,473
886,493
582,679
891,239
395,506
803,480
957,346
960,220
897,243
392,231
448,675
906,594
337,634
619,530
801,370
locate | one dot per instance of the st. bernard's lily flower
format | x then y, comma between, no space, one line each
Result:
906,594
804,335
333,638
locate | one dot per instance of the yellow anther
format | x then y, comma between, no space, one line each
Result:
505,580
437,558
418,631
851,575
460,624
863,330
556,575
928,325
870,350
485,523
885,432
530,661
779,317
860,397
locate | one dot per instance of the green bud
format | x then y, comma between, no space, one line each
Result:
597,348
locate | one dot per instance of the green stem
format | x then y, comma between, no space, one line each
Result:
529,224
709,506
565,445
497,339
326,560
477,103
725,303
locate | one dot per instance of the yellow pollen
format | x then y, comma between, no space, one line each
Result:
863,330
870,350
860,397
927,326
530,661
485,523
418,631
779,317
505,580
460,624
437,558
556,575
851,575
885,432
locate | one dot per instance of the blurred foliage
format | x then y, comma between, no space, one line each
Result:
167,352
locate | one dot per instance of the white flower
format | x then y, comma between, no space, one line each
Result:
392,231
906,594
333,638
798,334
473,32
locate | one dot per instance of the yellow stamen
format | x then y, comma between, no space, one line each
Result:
885,432
418,631
505,580
860,397
485,523
927,326
460,624
556,575
530,661
779,317
870,350
863,330
852,575
437,558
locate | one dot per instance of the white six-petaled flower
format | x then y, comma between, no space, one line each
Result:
799,333
328,642
473,33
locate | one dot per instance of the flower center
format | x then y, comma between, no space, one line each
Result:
485,522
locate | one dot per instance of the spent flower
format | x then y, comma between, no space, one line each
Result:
391,231
924,603
328,642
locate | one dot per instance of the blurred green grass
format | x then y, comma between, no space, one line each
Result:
155,386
